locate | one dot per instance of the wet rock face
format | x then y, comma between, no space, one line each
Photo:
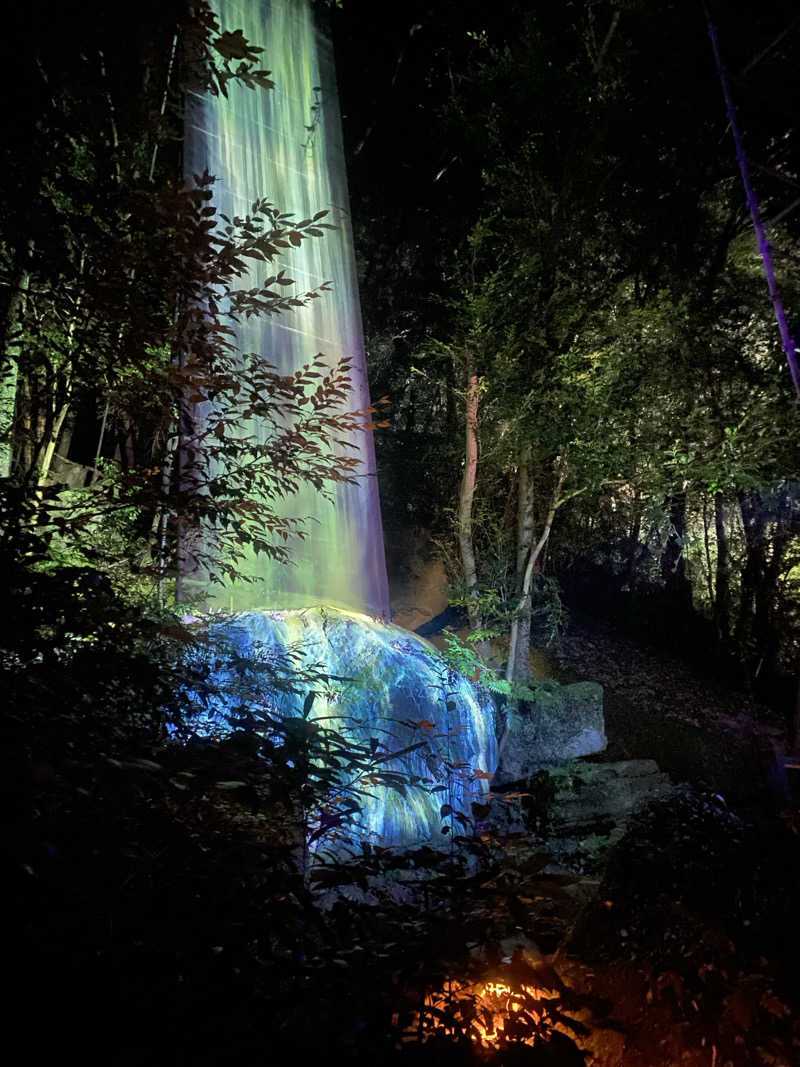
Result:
375,683
579,811
587,797
564,722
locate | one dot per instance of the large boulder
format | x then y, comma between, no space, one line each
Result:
584,798
376,684
578,811
561,723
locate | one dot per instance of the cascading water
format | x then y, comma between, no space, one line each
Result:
379,687
285,145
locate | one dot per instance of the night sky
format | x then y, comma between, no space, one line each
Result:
397,65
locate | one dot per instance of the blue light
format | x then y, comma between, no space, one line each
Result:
376,685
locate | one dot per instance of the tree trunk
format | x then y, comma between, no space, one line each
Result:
59,406
673,562
709,569
767,631
8,403
24,419
99,450
753,570
524,512
465,504
166,459
186,561
10,352
519,651
722,581
520,645
757,627
52,442
66,436
40,421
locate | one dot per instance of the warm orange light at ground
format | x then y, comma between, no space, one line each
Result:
491,1013
497,1002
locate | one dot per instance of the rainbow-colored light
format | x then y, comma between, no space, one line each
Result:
285,145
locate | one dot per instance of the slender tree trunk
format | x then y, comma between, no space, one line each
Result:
466,500
709,568
189,534
520,642
673,561
767,632
10,352
752,512
66,436
52,442
467,494
8,402
722,581
112,120
99,450
525,519
770,530
162,515
60,411
25,420
518,668
164,99
40,422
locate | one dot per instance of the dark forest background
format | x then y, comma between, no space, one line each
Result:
560,214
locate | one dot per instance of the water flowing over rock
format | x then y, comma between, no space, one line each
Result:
371,680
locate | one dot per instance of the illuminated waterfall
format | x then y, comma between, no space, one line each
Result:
258,144
385,686
390,684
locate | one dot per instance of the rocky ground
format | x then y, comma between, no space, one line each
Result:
673,932
681,930
659,707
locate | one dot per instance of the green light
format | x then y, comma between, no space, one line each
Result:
285,145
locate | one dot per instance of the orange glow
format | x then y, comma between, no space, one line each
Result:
491,1013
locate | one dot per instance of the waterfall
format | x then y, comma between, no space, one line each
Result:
285,145
386,687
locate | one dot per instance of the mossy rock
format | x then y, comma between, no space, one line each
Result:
562,723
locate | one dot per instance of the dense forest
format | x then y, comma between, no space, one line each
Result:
568,261
586,414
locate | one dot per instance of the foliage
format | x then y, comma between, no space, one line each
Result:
704,963
463,657
194,851
606,282
119,329
180,868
